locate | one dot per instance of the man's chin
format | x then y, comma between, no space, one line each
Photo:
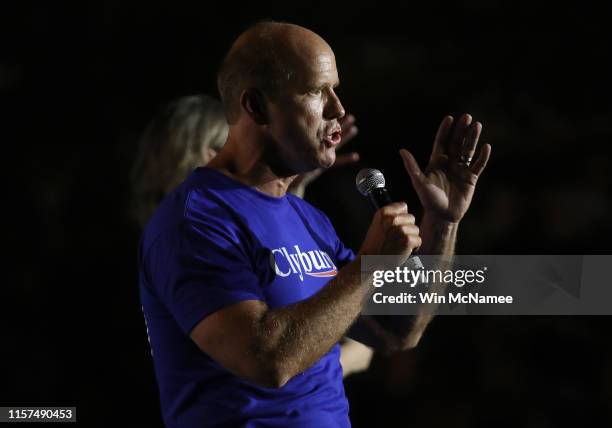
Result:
328,159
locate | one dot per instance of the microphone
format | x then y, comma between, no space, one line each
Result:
370,182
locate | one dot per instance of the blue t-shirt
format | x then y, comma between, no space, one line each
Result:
214,242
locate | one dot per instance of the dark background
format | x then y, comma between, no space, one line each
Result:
78,84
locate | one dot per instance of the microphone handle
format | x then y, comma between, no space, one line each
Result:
379,197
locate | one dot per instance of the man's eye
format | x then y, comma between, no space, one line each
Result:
316,91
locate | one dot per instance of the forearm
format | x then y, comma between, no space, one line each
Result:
289,340
293,338
439,236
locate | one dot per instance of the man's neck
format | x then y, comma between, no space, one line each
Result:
243,164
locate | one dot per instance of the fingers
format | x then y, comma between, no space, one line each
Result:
405,219
481,160
441,137
399,218
456,143
393,232
469,145
349,130
412,239
310,176
346,159
394,209
411,166
396,216
464,143
346,122
298,186
402,234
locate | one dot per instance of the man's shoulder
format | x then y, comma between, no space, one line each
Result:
193,201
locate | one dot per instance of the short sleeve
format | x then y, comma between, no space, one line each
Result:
344,254
199,269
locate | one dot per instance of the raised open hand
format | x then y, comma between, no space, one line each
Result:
446,187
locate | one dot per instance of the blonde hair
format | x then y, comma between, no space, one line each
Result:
172,145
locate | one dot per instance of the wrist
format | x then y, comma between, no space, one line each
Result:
438,234
431,218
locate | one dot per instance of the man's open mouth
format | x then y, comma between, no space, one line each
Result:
333,139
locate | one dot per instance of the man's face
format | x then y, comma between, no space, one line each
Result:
303,120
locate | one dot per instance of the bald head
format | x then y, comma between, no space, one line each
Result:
267,56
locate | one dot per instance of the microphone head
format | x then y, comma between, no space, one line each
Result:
369,179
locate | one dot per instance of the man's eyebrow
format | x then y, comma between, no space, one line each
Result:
326,84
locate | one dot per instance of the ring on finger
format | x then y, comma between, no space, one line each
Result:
465,160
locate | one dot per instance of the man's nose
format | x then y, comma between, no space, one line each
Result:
333,108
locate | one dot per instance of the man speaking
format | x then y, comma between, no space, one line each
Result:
246,289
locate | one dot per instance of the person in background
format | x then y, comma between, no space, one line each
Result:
186,133
189,132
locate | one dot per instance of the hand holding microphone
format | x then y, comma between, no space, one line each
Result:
393,230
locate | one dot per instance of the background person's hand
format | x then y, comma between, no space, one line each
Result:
349,131
446,187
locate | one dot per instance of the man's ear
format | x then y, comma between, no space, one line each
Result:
253,102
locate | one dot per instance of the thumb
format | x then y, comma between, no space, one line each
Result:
411,165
